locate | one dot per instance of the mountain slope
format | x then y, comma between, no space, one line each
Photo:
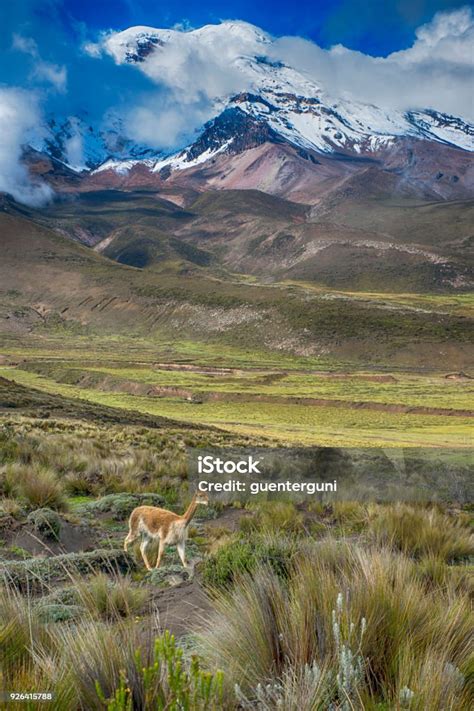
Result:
52,285
356,238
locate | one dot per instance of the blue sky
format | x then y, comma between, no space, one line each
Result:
61,27
373,26
377,27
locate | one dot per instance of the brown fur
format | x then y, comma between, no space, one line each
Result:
152,523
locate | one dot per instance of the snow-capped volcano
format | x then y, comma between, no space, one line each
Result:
268,98
231,95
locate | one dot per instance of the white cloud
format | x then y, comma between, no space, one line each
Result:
74,145
19,119
435,72
449,37
159,123
93,49
25,44
195,69
54,74
200,63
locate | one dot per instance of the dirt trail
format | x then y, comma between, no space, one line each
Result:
182,609
347,404
165,391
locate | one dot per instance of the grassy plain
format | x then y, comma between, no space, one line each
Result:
92,426
289,399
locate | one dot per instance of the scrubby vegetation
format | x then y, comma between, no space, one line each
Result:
167,683
422,533
304,607
243,554
46,521
110,598
269,632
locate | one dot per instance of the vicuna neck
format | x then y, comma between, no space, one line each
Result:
190,511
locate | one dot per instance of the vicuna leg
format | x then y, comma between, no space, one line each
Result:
161,550
129,539
143,547
132,532
182,552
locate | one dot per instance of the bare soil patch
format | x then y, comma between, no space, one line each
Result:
182,609
73,539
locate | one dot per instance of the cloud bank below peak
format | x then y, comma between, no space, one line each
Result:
19,120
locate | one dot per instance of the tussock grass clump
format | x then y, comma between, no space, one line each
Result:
97,666
350,514
273,516
9,448
420,532
434,572
269,629
168,683
92,460
111,598
10,507
20,629
35,484
77,484
89,655
8,482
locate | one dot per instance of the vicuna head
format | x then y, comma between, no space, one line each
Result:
200,497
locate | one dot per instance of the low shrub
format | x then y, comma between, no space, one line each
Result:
122,505
55,612
167,575
36,574
46,522
240,555
167,683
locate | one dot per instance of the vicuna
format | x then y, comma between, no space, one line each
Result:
152,523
